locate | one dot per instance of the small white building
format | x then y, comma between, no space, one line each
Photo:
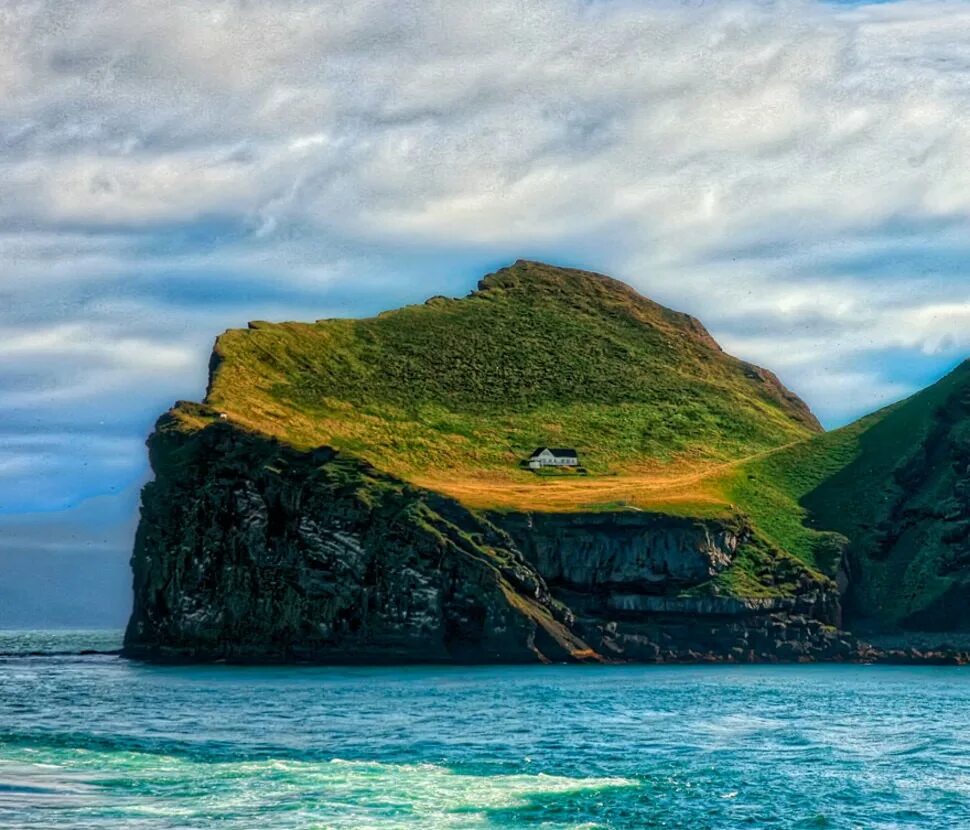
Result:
553,457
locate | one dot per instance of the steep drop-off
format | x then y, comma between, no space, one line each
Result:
249,550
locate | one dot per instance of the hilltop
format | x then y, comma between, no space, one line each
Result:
452,394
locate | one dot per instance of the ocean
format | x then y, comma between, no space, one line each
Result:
95,741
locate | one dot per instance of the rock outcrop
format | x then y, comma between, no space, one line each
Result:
249,550
640,587
631,549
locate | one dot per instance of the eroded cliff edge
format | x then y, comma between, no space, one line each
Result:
250,550
645,586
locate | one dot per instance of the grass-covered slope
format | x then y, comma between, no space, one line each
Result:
452,394
893,489
904,504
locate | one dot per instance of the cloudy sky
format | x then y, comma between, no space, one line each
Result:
796,174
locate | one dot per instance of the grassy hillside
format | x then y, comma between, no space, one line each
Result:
893,489
452,394
771,489
904,503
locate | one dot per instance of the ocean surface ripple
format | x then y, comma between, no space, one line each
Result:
94,741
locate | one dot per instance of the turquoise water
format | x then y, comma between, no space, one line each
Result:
98,742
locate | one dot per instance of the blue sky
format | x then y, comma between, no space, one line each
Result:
795,174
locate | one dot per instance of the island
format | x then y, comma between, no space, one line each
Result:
362,491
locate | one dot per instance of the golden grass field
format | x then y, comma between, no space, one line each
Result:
686,486
451,395
673,489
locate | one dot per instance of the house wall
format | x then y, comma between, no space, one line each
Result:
553,461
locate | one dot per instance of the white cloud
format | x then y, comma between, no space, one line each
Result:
83,340
696,123
797,174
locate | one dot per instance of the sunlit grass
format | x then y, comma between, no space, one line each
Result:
453,394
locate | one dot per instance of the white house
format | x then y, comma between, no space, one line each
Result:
553,457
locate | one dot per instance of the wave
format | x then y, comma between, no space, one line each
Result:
82,643
115,790
84,652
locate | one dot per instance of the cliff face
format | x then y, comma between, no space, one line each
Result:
644,586
250,550
630,551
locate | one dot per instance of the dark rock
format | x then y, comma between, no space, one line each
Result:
249,550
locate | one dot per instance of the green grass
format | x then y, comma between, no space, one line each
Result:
812,497
539,355
759,571
899,502
769,489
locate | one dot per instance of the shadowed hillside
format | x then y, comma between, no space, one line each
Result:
904,504
893,491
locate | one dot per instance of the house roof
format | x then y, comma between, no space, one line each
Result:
559,452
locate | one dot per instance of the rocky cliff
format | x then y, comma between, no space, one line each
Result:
645,586
249,550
